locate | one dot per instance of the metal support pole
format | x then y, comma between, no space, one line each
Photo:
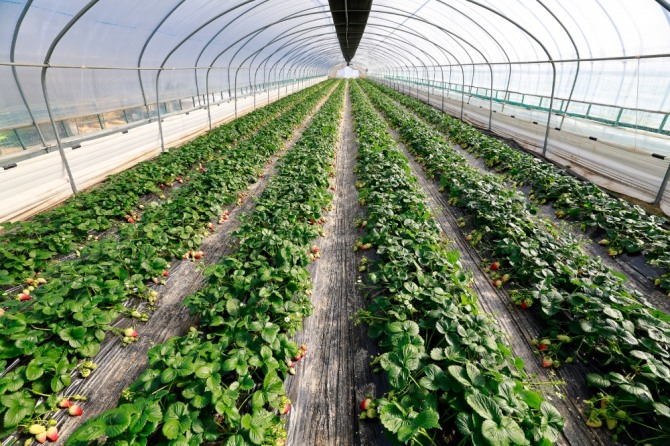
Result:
158,110
61,151
209,108
661,190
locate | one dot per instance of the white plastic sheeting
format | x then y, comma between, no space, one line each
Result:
584,66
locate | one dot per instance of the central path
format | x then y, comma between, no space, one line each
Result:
336,374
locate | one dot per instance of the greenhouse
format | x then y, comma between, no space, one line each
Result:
312,222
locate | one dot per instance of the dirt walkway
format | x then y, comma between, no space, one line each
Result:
336,375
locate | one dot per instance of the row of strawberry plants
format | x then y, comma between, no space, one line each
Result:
223,382
622,226
68,317
587,308
448,364
27,247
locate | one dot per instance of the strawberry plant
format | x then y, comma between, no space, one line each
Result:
27,247
223,382
581,299
448,364
70,315
620,225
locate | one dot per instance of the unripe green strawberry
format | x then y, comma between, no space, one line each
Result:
35,429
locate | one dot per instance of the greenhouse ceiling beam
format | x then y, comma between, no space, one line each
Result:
292,35
45,90
242,63
141,56
251,36
12,51
389,58
349,24
665,4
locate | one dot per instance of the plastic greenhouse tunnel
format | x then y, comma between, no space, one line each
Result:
311,222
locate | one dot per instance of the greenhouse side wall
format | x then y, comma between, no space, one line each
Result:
36,184
631,162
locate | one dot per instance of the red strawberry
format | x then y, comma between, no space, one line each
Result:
165,273
41,438
547,362
131,220
315,249
64,404
497,283
286,409
52,433
75,410
24,297
524,305
495,266
365,404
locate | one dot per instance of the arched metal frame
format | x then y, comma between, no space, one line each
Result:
45,91
12,50
321,61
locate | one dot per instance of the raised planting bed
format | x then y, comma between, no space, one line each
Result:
589,314
49,337
27,247
614,222
453,377
223,382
